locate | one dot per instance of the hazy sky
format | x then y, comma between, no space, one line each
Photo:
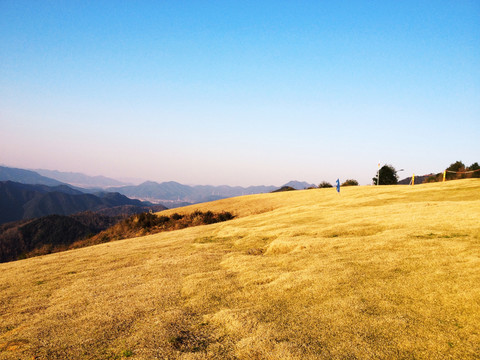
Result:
239,92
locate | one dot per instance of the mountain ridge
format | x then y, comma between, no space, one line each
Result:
25,201
80,179
174,192
26,177
171,193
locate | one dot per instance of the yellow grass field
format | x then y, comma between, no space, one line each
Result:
389,272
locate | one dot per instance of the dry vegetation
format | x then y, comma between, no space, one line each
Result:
148,223
388,272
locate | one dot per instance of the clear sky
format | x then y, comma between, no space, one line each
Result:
239,92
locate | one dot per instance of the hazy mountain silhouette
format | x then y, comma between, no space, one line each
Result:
298,185
23,201
171,193
26,177
81,180
151,190
174,191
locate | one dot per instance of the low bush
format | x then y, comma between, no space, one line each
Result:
177,216
350,182
149,223
433,178
224,216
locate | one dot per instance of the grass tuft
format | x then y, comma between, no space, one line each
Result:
127,353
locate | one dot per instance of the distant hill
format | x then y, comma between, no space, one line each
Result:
284,188
151,190
175,192
81,180
22,201
298,185
26,177
171,193
420,179
210,192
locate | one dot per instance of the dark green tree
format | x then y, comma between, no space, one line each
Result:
324,184
475,166
350,182
457,167
388,176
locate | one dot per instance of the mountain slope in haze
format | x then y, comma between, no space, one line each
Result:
171,192
298,185
176,192
151,190
81,180
26,177
225,191
22,201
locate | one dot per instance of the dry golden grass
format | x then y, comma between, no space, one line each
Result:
374,273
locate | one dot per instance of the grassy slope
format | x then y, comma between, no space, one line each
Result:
387,272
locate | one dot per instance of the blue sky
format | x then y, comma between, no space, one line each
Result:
239,92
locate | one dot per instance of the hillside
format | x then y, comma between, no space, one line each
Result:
55,233
26,177
23,201
387,272
81,180
49,234
171,193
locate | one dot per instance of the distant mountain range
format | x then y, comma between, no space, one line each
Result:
299,185
24,201
170,193
26,177
81,180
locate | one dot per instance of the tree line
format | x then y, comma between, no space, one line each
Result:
388,175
